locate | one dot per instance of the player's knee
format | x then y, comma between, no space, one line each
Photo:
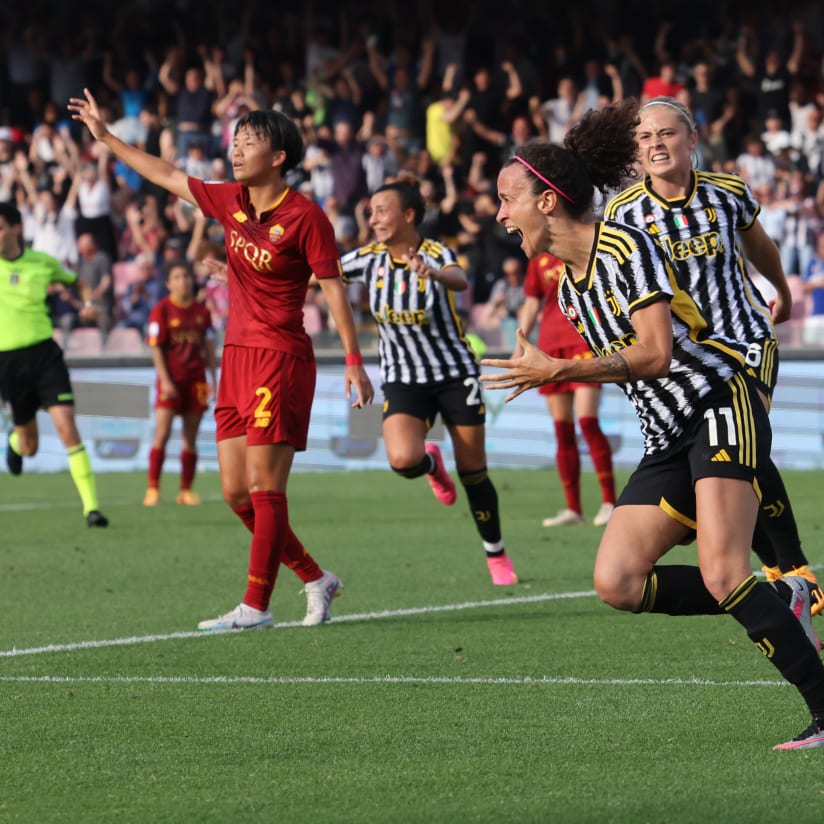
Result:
237,498
616,591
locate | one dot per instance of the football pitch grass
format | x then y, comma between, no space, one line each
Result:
432,696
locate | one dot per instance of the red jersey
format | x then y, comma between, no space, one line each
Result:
541,282
180,332
270,262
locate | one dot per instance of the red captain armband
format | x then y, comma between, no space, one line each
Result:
354,359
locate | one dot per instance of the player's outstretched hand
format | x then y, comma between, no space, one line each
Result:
527,369
87,111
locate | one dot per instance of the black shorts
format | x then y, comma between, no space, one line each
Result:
459,401
33,378
761,364
731,439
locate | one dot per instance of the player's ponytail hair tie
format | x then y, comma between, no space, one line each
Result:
549,183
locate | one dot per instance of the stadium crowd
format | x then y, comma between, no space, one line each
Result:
377,88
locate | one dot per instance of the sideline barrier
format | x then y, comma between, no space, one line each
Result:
114,402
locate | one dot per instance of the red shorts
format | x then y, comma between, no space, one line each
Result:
567,353
192,398
265,395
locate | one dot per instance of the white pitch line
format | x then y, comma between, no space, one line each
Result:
363,616
525,681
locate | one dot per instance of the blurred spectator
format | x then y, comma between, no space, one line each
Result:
809,140
770,82
24,51
65,305
664,84
378,162
133,94
96,284
145,231
755,165
50,223
485,243
597,86
193,99
773,213
346,167
775,136
711,113
141,295
801,225
442,116
813,277
94,202
505,300
402,81
553,117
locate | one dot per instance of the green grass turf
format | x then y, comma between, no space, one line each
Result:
542,710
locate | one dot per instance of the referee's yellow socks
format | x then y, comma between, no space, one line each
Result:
80,467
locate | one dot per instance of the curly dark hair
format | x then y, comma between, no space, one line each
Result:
279,129
599,152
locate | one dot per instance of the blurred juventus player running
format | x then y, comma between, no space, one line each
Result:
275,239
427,366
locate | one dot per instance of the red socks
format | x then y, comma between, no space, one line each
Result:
188,463
156,458
271,521
601,455
569,463
273,542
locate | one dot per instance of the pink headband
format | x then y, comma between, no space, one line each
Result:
551,185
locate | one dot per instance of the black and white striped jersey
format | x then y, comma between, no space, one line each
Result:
421,335
698,234
628,271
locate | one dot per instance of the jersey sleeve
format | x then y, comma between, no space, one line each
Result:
354,264
57,274
319,245
212,198
750,209
156,331
649,275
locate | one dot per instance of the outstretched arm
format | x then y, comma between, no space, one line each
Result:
649,357
154,169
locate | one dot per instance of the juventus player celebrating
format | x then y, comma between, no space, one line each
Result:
426,364
705,429
275,239
704,221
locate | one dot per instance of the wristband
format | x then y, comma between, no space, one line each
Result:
354,359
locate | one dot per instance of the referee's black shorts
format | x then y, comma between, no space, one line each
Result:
34,377
730,438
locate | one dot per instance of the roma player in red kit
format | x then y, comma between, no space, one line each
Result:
182,340
559,338
275,239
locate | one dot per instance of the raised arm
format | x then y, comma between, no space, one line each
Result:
154,169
